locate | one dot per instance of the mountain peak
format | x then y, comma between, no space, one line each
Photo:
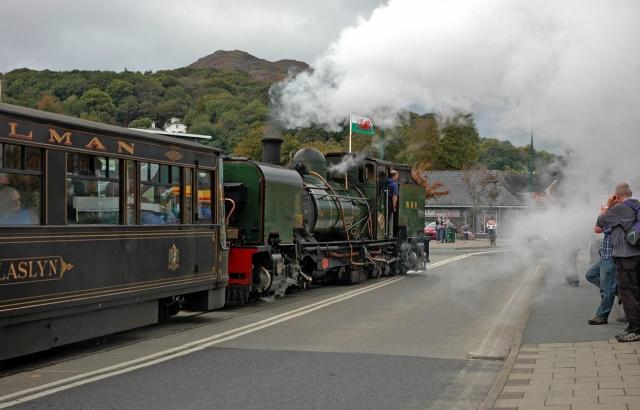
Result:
258,68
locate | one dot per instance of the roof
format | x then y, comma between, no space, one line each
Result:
514,189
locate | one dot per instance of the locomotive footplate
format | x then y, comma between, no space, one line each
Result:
373,255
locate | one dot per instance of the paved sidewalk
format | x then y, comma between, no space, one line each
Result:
573,376
560,362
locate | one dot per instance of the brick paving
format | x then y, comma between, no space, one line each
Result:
603,375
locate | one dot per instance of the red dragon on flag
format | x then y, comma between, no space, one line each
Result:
362,125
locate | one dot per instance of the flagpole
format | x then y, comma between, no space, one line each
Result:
350,114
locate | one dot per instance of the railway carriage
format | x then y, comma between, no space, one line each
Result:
116,229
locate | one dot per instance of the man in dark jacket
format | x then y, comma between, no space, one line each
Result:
619,217
392,199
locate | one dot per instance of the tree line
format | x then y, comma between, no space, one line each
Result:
233,108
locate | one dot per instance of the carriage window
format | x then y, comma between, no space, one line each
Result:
160,197
13,156
20,185
204,197
34,159
93,189
188,212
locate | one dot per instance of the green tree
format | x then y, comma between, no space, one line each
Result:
147,109
71,84
220,104
98,103
127,110
142,123
119,90
251,145
168,109
458,142
254,111
73,106
148,91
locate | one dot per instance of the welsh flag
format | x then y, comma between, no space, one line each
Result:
363,125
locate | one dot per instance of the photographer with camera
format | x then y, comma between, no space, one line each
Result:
620,216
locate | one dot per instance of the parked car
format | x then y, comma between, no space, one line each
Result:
430,230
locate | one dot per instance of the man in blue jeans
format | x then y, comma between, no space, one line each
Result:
603,275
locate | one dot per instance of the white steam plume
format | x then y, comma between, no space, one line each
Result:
574,63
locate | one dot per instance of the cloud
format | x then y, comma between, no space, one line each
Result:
157,35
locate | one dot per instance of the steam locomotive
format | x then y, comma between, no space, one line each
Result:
324,220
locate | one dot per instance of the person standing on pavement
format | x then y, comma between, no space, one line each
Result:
603,275
492,226
443,228
620,217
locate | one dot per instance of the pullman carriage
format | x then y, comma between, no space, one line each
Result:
102,229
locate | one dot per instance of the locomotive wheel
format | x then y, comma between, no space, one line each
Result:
413,260
261,279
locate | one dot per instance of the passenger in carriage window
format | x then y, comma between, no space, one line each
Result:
150,218
71,193
11,213
204,212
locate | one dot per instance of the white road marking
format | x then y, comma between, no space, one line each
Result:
511,312
54,387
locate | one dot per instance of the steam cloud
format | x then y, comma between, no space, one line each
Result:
568,69
348,162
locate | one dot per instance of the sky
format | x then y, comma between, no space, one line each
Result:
567,71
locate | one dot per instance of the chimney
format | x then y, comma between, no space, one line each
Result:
271,150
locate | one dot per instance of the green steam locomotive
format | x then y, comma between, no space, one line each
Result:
325,219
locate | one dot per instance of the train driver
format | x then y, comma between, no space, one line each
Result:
392,199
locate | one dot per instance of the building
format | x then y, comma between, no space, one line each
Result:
511,205
175,126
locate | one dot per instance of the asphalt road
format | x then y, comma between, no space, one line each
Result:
434,339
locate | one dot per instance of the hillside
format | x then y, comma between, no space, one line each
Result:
259,69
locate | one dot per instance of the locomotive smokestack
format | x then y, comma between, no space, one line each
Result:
271,150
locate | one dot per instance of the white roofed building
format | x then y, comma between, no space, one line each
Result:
175,126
